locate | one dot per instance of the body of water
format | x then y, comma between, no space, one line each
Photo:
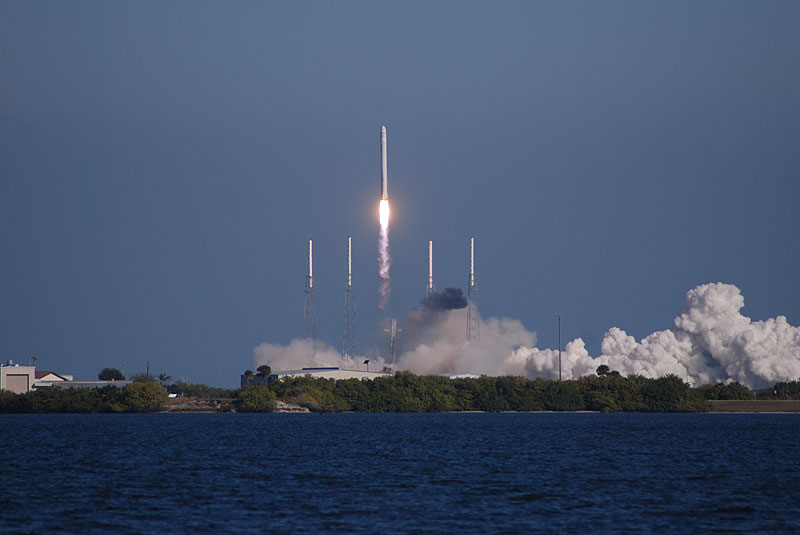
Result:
400,473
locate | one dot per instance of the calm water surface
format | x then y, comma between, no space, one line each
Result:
400,473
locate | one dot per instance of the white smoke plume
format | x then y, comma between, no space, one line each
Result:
384,258
711,341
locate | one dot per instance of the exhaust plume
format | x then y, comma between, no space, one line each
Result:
384,258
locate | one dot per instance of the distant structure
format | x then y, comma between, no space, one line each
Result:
393,340
309,310
473,318
327,373
430,289
23,379
350,336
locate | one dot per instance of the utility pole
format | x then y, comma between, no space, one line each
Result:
559,347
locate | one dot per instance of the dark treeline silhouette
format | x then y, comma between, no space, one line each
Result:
406,392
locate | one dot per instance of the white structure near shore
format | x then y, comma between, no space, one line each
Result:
16,378
328,373
22,379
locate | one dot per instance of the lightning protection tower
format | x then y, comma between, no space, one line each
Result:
309,310
350,337
473,318
429,289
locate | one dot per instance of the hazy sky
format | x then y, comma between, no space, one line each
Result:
163,164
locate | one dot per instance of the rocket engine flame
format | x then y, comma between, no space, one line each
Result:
384,259
383,213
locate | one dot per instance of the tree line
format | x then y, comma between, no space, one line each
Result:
607,391
144,396
407,392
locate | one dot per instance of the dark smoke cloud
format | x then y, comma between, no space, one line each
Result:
433,311
449,299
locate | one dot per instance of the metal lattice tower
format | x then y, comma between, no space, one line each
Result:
393,340
473,318
430,289
350,337
309,310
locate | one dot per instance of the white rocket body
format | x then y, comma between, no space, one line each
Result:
384,171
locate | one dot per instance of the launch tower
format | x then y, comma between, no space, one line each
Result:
473,318
309,310
430,289
350,336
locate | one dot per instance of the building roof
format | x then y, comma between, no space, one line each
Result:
43,374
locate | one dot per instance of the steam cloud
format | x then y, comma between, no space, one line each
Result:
711,341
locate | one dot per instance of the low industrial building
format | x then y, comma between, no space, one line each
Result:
22,379
330,373
81,384
320,373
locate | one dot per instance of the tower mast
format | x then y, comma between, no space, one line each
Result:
350,336
473,318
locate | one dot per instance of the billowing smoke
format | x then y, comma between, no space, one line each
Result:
449,299
711,341
440,346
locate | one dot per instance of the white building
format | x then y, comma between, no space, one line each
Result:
329,373
16,378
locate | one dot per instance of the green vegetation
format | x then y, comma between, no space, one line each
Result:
110,374
607,391
406,392
255,398
781,391
135,397
140,397
719,391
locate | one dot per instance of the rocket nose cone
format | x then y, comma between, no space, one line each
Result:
383,129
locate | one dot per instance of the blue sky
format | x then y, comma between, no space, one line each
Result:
163,164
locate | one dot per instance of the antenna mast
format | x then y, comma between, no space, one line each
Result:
559,347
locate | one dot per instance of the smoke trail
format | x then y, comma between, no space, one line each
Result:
384,259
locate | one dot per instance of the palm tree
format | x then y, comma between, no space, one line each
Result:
163,378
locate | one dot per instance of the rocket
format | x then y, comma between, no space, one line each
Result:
384,172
